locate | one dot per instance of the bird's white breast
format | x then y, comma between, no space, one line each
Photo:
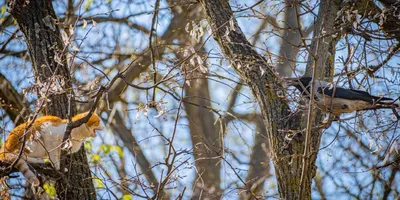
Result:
339,105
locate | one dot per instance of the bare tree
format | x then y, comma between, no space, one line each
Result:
191,93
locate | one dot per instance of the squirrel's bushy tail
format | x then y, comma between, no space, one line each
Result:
21,165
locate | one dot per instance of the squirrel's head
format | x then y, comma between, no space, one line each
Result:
92,125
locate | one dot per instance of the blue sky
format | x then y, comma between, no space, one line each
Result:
239,138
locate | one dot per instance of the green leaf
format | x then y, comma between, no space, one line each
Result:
88,145
105,148
95,158
98,182
50,189
118,150
87,5
3,10
126,197
46,160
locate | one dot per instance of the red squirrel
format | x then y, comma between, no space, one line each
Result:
44,140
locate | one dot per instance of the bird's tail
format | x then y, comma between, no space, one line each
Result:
385,101
390,105
382,99
382,104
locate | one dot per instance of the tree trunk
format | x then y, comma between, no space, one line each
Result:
205,135
267,88
37,20
259,166
289,42
206,141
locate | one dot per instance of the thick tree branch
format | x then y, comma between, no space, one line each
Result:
206,135
290,40
386,19
10,99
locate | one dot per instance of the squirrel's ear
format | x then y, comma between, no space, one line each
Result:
95,110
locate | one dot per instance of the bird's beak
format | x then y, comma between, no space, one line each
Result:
292,81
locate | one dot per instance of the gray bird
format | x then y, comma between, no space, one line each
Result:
344,101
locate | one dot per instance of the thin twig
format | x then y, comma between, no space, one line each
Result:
8,40
153,60
251,7
310,110
77,123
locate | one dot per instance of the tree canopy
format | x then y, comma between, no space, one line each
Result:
193,97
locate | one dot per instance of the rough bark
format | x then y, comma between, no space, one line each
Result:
266,87
37,21
389,24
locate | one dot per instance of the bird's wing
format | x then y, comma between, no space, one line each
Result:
350,94
375,97
361,92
